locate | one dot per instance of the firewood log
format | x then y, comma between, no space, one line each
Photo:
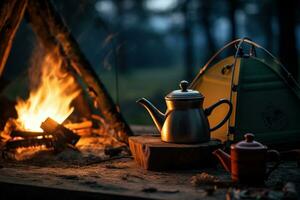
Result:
11,14
14,144
55,129
62,137
78,126
27,134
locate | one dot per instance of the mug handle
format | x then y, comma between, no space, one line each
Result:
275,155
209,110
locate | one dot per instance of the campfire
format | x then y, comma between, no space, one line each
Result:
52,97
46,120
38,125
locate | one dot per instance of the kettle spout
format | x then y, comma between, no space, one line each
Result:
157,116
224,158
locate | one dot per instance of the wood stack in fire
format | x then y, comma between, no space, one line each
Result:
54,136
17,144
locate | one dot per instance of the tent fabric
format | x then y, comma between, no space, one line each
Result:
265,97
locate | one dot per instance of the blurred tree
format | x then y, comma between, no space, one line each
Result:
204,16
122,47
266,17
188,35
232,9
287,39
74,10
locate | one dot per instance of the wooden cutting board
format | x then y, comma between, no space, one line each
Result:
151,153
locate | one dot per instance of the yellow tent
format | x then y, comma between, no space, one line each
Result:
265,96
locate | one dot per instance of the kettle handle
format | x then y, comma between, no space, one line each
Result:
274,156
209,110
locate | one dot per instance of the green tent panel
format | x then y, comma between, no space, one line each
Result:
265,97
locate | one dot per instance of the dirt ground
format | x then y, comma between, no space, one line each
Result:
76,171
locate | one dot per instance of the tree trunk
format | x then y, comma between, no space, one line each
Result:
287,38
204,15
266,23
121,52
188,35
51,31
11,14
232,10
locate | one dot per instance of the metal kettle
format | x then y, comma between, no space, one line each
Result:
185,120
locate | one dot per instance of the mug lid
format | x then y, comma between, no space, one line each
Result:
249,143
184,93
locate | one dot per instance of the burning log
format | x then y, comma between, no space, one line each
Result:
31,142
27,134
11,14
77,126
62,137
10,126
52,32
55,136
83,129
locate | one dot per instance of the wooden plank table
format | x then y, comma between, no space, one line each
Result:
118,179
80,175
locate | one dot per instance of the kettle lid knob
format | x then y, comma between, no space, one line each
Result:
184,93
183,85
249,137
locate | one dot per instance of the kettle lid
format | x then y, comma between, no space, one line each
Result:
249,143
184,93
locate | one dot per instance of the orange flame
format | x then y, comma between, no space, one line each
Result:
52,98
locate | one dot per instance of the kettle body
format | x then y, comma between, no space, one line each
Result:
185,120
185,125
